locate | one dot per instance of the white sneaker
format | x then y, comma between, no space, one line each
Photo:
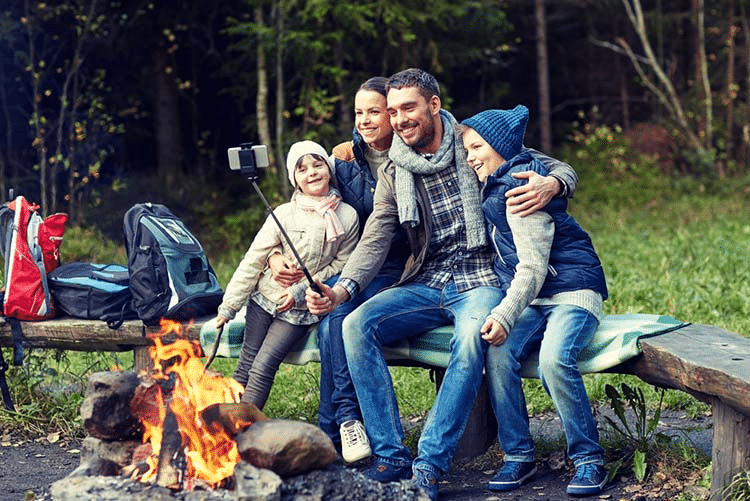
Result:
354,443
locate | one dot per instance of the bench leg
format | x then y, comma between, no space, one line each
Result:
142,359
481,428
731,446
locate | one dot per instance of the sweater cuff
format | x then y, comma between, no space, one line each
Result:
564,190
225,311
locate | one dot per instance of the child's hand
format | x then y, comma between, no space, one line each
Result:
284,271
220,321
286,302
493,332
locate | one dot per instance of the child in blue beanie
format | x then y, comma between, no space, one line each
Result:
555,286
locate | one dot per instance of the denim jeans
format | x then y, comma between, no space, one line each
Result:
338,400
405,311
560,333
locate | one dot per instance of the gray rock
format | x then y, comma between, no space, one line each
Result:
286,447
256,484
105,410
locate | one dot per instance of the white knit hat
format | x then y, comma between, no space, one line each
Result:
302,148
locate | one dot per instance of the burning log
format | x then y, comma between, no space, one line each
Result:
171,466
181,427
233,418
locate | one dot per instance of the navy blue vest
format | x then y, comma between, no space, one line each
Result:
573,262
356,184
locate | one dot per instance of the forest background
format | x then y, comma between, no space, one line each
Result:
104,104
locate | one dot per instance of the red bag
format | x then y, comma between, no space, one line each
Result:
31,248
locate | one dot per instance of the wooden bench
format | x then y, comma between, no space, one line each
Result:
708,362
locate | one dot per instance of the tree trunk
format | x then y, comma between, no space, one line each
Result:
284,188
261,97
624,93
40,135
706,83
730,90
744,151
542,67
345,104
166,120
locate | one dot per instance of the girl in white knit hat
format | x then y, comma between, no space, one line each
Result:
324,231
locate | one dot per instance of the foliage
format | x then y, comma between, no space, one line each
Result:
324,50
738,489
48,390
64,103
90,245
643,433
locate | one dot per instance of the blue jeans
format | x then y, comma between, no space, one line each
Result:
338,400
559,333
402,312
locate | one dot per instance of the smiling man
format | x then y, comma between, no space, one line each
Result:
428,189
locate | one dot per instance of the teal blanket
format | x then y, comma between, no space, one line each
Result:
615,341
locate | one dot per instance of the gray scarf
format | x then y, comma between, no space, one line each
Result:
451,152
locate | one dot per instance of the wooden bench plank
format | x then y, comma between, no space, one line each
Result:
76,334
702,360
87,335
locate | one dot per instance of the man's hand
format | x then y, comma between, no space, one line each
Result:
284,271
493,332
322,304
534,195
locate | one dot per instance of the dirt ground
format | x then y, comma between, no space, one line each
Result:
29,465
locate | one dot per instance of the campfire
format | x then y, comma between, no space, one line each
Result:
182,429
178,416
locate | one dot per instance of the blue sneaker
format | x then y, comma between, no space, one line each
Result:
589,480
386,472
512,475
426,481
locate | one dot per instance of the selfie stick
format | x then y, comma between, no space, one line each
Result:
313,285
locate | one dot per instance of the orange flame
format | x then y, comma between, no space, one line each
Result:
211,454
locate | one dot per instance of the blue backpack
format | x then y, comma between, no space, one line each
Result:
93,291
170,276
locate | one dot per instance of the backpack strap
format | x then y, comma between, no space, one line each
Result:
116,323
17,331
4,384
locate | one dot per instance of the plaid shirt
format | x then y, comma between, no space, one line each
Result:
447,257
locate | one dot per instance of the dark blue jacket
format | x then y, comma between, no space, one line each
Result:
573,262
356,184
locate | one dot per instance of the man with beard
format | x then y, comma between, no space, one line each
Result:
430,191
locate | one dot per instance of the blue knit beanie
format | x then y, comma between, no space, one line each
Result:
502,129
